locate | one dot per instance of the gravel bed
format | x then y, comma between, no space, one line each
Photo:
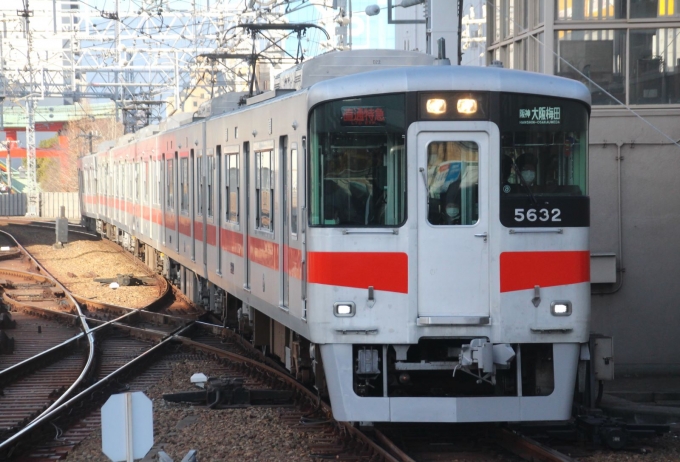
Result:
82,260
665,448
250,434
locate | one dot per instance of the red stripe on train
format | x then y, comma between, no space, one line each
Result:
292,262
524,270
265,253
232,242
383,270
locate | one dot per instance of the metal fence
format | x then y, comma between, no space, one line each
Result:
13,205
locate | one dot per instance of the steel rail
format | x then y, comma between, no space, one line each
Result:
347,426
33,224
90,357
176,335
53,411
528,448
396,450
116,321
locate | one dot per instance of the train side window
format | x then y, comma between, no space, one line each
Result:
184,184
137,179
159,183
210,174
170,181
453,182
199,175
232,187
293,191
146,181
125,193
264,190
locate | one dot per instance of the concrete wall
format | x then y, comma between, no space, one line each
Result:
643,312
13,205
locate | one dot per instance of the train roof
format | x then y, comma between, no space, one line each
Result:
447,78
335,64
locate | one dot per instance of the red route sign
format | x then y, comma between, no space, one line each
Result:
362,116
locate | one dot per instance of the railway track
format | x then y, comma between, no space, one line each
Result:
131,349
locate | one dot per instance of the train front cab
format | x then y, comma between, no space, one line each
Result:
465,296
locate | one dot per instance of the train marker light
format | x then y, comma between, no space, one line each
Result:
560,308
344,309
436,106
467,106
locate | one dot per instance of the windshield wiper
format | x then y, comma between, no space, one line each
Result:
524,183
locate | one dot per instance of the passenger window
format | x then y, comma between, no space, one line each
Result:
171,185
210,175
184,184
232,187
293,191
264,185
200,175
453,182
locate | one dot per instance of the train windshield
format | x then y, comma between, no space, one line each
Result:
544,161
358,162
543,146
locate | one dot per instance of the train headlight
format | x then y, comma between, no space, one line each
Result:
436,106
467,106
560,308
344,309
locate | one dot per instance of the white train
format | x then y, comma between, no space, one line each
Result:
411,238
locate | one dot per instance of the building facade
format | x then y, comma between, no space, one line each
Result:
627,53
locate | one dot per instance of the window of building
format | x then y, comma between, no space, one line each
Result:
538,12
509,18
594,56
654,71
232,187
667,9
586,10
264,190
453,183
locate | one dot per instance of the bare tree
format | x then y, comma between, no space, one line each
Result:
83,136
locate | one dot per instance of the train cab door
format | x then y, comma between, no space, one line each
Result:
453,223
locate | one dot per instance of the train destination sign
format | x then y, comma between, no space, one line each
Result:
542,115
362,116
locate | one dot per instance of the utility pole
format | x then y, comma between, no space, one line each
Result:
90,137
32,186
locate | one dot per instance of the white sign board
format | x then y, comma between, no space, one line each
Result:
127,426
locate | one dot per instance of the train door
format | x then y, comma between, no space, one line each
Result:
284,194
453,255
196,182
175,197
246,214
218,207
209,201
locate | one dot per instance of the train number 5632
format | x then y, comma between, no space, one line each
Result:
537,214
